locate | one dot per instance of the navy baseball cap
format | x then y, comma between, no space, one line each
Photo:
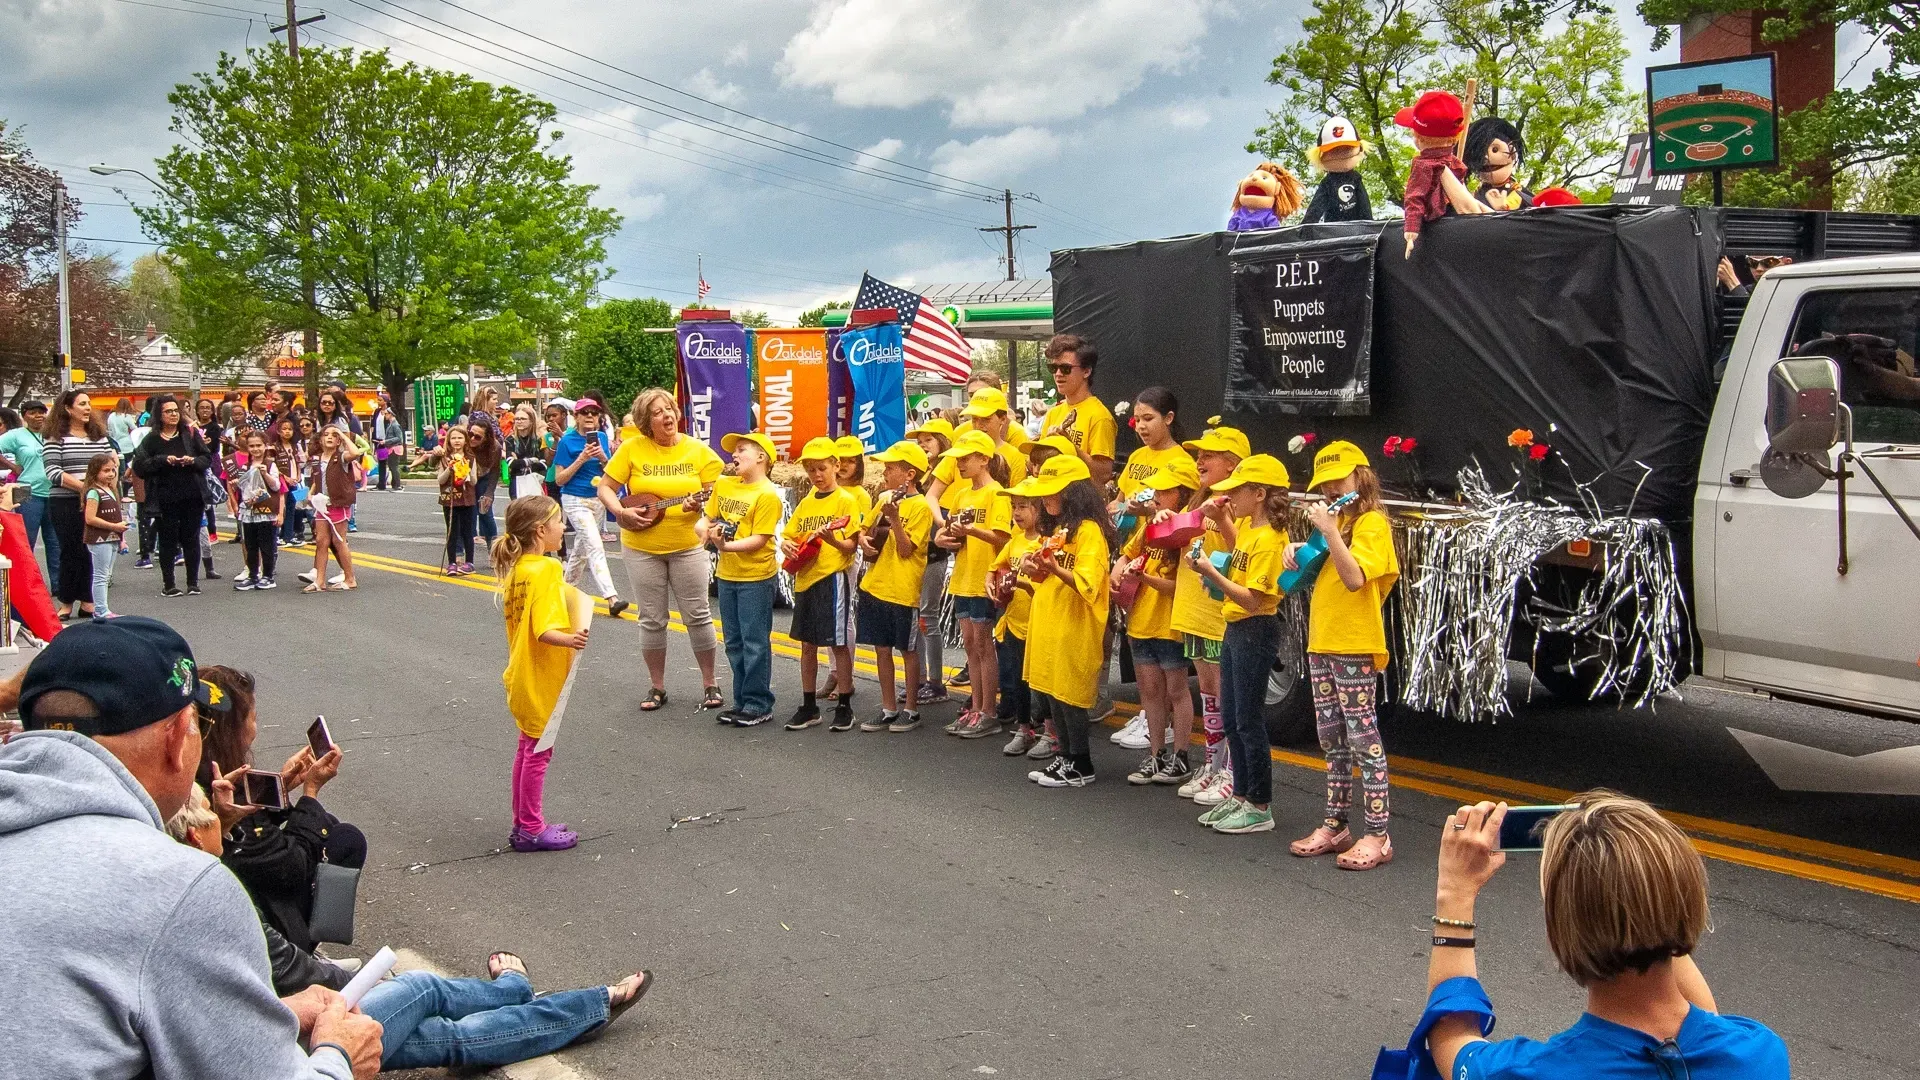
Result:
136,671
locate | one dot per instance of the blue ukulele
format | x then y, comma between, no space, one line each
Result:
1313,553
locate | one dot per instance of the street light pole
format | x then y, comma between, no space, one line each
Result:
66,311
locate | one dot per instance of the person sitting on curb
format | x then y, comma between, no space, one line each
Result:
128,954
1626,902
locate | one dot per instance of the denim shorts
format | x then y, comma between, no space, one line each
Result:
977,608
1158,652
1201,648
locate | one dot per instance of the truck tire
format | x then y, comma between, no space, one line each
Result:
1290,705
1570,683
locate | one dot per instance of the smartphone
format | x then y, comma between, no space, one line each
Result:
1525,827
262,789
318,737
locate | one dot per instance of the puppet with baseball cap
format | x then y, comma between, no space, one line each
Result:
1436,180
1342,195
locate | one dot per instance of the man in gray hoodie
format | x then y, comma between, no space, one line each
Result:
128,954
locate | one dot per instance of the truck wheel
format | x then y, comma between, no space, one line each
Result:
1290,706
1555,669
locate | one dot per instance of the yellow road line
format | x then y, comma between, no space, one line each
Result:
1442,781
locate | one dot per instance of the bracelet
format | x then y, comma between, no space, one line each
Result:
1452,942
1462,924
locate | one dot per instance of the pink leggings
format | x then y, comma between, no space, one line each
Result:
529,783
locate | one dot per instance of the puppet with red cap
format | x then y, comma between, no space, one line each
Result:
1342,195
1556,196
1436,179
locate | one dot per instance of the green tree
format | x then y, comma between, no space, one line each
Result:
616,347
444,227
153,292
759,320
817,316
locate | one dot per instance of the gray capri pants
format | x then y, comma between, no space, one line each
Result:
679,579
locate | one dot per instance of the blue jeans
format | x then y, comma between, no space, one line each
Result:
34,512
746,616
102,574
1015,701
1246,657
431,1022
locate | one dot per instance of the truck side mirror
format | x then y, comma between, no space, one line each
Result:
1803,405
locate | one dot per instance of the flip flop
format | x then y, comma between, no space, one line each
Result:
315,588
613,1012
654,700
495,972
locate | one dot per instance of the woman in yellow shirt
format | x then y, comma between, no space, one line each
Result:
541,645
1159,660
1256,496
666,565
1070,605
1196,615
1346,648
980,522
741,518
1013,593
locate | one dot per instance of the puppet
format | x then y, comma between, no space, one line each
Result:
1268,194
1436,178
1556,196
1495,153
1342,195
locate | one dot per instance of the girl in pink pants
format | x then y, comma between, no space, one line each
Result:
541,645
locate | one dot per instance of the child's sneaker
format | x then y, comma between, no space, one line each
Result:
1052,768
804,717
930,693
265,583
842,717
1149,768
1220,812
1201,778
982,726
879,723
143,563
1247,819
1217,792
1022,741
1069,775
242,584
1043,748
953,726
1173,768
905,722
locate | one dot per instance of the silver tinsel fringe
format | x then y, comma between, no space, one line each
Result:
1461,574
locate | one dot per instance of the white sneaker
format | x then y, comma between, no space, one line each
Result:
306,576
1217,792
1133,735
1201,778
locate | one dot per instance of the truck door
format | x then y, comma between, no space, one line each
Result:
1784,617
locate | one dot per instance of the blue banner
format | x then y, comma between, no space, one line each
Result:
877,362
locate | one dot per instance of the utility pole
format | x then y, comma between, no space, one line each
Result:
1010,230
309,333
66,311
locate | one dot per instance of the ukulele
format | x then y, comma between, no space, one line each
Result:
809,549
1129,514
652,507
1052,545
1124,584
961,519
1220,560
881,527
1313,552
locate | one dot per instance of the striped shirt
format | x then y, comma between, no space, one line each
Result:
69,456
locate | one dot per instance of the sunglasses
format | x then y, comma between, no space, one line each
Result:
1062,369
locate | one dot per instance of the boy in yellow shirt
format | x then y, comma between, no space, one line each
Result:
822,591
894,541
740,520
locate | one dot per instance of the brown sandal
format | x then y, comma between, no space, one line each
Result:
654,700
1352,860
1320,841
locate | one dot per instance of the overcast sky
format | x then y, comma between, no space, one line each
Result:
1124,118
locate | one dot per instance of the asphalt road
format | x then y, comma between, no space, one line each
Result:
881,905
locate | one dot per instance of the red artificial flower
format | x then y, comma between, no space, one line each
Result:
1133,422
1392,444
1409,445
1307,438
1539,452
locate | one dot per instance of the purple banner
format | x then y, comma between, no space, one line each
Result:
717,390
839,388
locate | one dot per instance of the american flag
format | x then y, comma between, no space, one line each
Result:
932,344
704,287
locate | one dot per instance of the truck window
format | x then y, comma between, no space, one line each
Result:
1872,334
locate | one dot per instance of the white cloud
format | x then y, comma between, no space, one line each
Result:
994,62
995,157
886,149
707,86
1185,114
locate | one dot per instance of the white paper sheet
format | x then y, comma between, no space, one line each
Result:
580,608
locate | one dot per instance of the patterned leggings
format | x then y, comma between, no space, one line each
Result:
1343,699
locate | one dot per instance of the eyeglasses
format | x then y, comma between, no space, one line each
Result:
1062,369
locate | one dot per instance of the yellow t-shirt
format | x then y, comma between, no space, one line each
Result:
1255,564
1020,604
666,472
894,577
1016,434
1063,654
1143,463
1093,427
814,512
947,471
1152,614
993,511
536,671
1347,622
1195,611
862,499
753,510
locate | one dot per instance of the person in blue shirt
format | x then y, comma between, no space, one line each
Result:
1626,902
578,460
20,451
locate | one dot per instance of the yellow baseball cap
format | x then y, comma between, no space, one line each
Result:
936,426
985,402
1222,440
1178,473
732,440
1054,476
819,449
906,452
972,442
1263,469
1337,460
849,446
1057,443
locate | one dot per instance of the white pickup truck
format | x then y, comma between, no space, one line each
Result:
1806,573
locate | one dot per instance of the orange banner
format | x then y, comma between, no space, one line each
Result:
793,386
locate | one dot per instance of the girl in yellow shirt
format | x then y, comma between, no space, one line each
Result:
979,523
1012,592
541,643
1070,605
1256,495
1196,614
894,541
1159,660
1346,648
